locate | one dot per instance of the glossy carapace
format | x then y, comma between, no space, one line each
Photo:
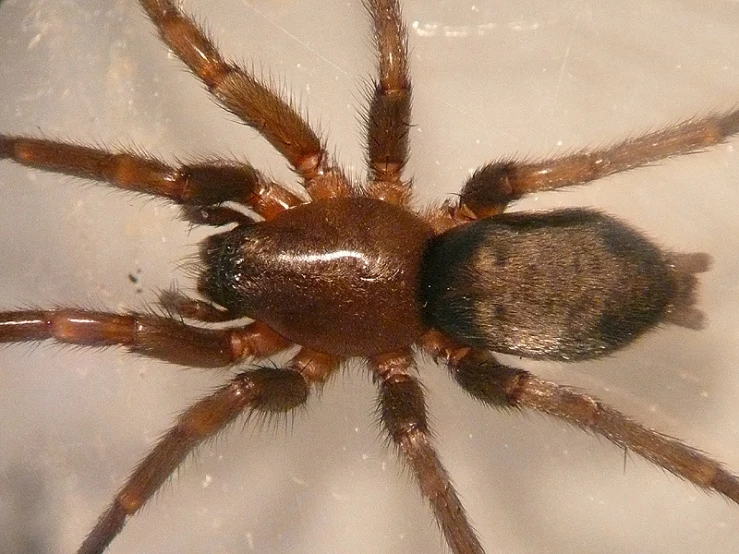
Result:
340,276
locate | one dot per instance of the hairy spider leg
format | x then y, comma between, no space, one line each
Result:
265,391
199,187
501,386
250,99
402,410
150,335
489,190
178,304
388,118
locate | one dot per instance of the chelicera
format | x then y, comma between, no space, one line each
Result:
352,270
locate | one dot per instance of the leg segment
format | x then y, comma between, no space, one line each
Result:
249,99
149,335
216,216
266,390
493,186
389,115
497,385
177,304
403,412
203,184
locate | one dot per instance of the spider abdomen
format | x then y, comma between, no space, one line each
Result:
571,284
340,276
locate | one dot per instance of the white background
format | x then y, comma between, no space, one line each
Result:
492,78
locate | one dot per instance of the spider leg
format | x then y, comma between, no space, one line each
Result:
266,390
216,216
501,386
252,100
197,185
389,114
402,410
494,185
149,335
178,304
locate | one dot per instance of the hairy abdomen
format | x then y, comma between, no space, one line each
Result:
572,284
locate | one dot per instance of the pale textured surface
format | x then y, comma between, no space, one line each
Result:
491,79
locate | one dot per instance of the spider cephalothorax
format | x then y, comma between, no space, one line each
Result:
306,255
353,270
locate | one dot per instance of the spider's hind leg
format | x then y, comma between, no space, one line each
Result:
501,386
489,190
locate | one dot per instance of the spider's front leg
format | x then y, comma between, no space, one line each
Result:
149,335
249,98
501,386
402,409
199,188
265,390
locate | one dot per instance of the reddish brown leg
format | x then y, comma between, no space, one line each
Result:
217,215
403,412
498,385
148,335
266,390
249,99
493,186
203,184
389,115
179,305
